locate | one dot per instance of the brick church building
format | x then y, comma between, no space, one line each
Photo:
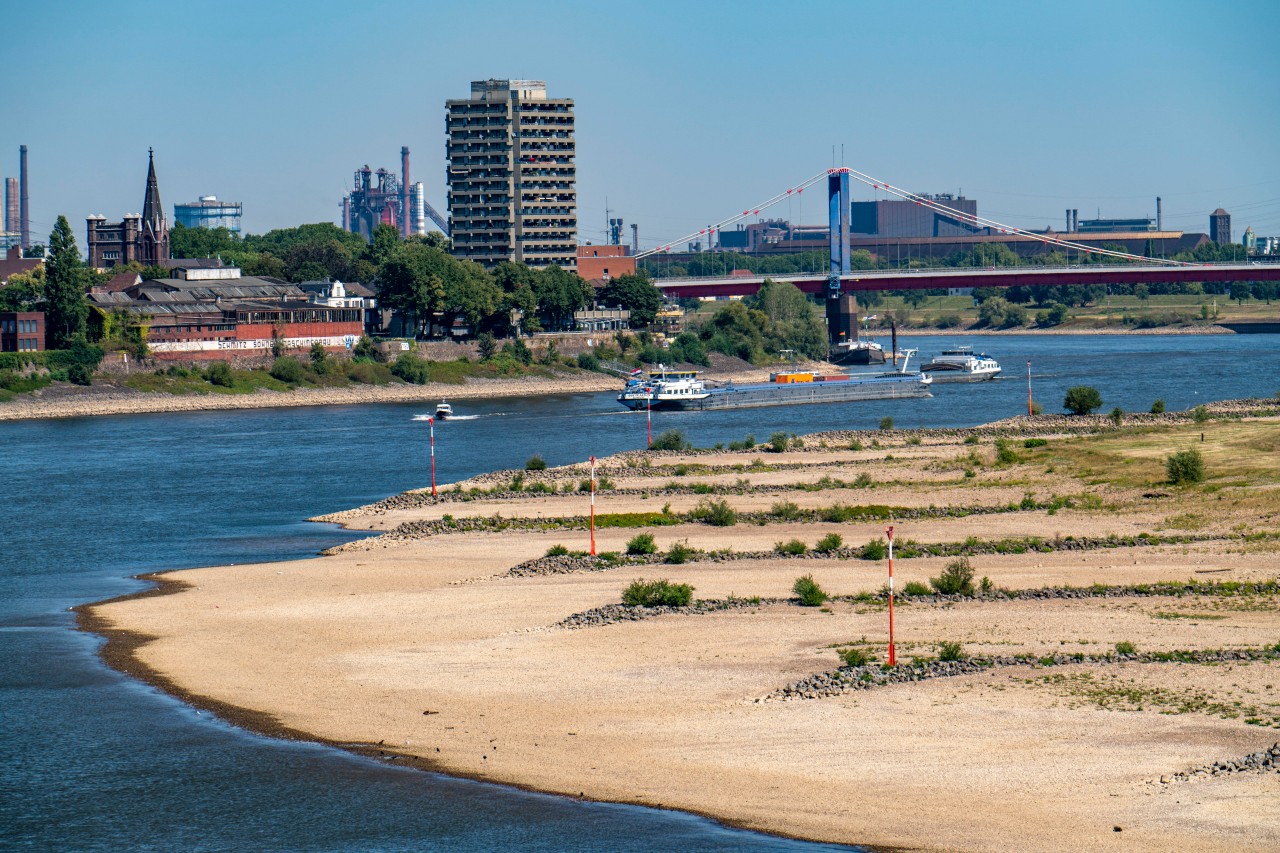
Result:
142,238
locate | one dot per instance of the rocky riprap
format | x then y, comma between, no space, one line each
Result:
1263,761
613,613
848,679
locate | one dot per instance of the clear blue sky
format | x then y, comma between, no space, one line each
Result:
687,112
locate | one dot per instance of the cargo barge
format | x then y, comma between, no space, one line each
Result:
682,390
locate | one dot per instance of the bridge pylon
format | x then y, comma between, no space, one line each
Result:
838,210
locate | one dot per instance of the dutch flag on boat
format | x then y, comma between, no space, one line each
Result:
636,372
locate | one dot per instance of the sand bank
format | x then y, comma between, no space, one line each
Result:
421,649
122,402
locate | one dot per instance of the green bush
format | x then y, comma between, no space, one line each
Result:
854,657
874,550
951,651
956,578
1117,416
1200,414
557,551
1034,442
588,361
1082,399
219,373
535,463
1005,454
778,442
412,368
916,588
1126,648
854,444
786,510
794,548
642,593
1157,408
717,513
987,586
642,544
1185,467
830,542
679,553
368,372
79,374
364,350
886,423
672,439
808,591
288,369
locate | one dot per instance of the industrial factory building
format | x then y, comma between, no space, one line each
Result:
512,175
380,198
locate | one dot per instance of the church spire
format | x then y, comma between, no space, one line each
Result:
152,210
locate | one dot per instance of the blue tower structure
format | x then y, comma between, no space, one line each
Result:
838,210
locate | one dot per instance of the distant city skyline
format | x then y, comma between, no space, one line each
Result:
686,114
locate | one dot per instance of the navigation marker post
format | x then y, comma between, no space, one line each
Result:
431,424
893,661
593,506
1030,407
648,405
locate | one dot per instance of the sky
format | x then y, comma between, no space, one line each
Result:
686,112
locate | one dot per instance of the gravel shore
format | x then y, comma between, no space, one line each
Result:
114,401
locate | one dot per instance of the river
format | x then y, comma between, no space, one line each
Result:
92,760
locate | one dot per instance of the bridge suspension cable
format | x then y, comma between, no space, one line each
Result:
751,211
907,195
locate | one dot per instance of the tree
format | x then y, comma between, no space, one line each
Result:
559,293
24,291
1082,399
384,241
1239,291
635,293
65,279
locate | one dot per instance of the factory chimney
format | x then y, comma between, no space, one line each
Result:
1159,215
635,239
404,191
24,213
1068,219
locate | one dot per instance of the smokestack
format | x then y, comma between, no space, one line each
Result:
1068,219
1075,220
12,216
404,191
635,239
24,212
1159,215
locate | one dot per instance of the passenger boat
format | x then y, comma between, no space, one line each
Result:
682,390
443,411
961,365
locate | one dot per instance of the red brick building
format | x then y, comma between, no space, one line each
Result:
21,331
598,264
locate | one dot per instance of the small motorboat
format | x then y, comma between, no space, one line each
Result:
444,411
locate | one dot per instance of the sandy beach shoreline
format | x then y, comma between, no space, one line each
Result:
420,647
103,402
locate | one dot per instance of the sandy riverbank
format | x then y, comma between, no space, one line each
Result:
417,646
98,401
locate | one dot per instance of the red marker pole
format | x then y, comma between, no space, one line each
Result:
893,661
431,423
648,404
1030,408
593,506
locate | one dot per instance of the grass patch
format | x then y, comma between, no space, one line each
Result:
659,593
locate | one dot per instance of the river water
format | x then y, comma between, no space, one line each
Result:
92,760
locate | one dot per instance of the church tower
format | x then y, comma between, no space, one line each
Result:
153,238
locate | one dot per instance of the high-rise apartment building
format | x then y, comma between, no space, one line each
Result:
512,176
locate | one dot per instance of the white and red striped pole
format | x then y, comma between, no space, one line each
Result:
1030,407
648,405
593,506
431,424
893,661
